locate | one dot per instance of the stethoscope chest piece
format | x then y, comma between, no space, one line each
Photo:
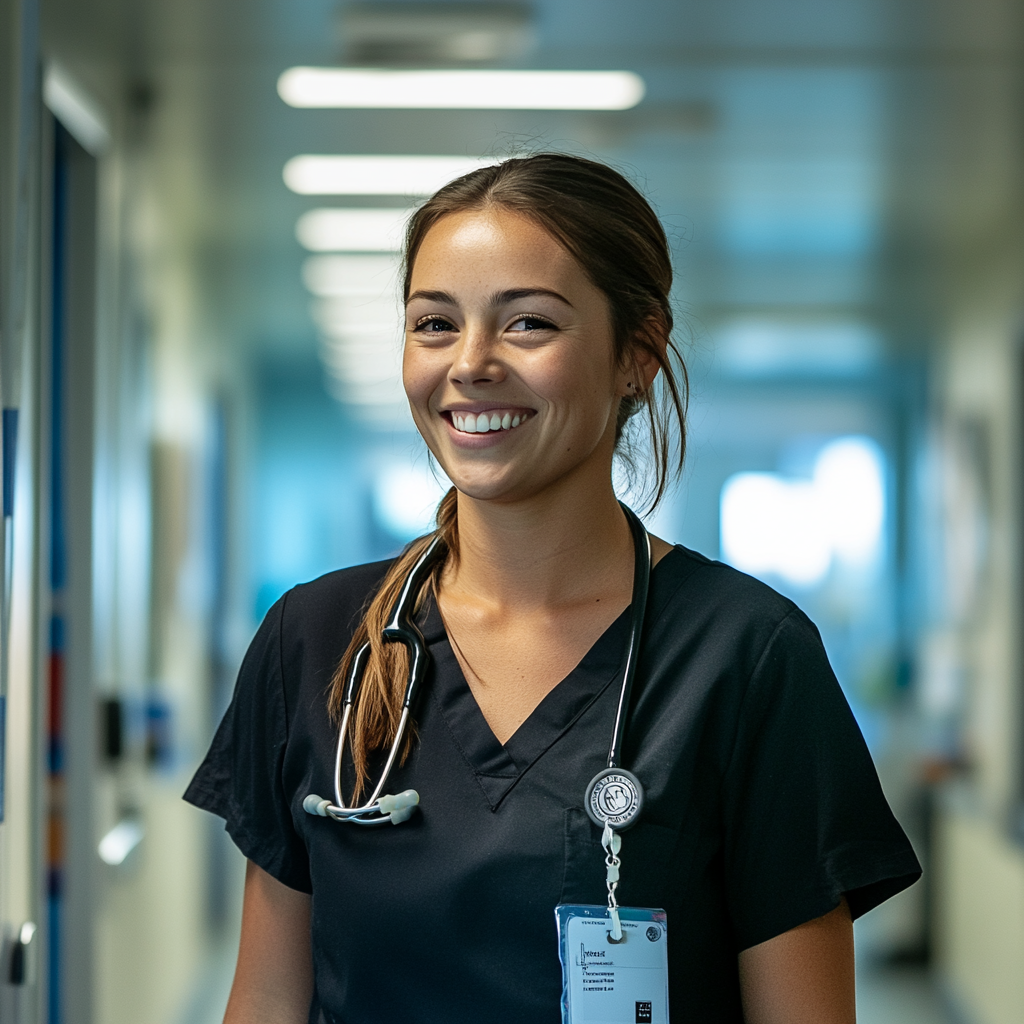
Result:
614,798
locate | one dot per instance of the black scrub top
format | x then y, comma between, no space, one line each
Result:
762,804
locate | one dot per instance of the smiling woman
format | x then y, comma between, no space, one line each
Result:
537,288
537,324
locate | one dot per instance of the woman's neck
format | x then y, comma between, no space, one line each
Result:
550,550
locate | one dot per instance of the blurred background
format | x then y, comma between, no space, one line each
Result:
200,203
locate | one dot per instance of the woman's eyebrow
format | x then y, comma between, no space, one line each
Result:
432,297
497,299
515,294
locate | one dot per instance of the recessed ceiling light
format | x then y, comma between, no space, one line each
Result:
352,230
371,88
375,175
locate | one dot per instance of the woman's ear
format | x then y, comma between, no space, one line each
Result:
648,351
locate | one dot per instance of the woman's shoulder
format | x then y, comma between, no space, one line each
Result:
733,618
333,601
723,591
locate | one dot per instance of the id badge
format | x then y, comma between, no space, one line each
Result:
605,982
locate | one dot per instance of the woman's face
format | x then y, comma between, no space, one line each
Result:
509,363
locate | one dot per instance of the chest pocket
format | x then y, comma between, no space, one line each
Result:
646,860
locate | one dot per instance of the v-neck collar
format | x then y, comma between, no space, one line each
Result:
499,767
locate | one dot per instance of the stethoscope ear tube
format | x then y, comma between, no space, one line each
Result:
615,797
638,608
401,629
355,675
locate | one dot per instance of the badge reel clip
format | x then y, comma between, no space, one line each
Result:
614,801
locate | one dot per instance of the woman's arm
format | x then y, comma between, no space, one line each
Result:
274,977
804,976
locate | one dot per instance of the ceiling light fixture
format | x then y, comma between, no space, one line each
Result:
370,88
375,175
364,230
331,277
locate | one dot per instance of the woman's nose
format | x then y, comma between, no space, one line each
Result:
475,360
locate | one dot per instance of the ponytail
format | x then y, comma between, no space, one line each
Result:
378,706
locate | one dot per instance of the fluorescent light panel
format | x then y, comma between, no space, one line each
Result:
360,324
369,321
370,88
352,230
311,175
330,277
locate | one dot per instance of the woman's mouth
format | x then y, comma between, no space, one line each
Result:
485,422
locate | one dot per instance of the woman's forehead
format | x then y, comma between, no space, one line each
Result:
495,247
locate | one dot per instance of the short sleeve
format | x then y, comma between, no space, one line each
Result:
240,780
806,821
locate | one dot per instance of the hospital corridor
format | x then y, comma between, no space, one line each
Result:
203,206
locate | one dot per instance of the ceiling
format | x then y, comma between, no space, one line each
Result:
814,162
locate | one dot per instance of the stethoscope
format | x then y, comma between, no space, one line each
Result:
614,798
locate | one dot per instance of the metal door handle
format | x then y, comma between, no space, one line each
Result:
17,972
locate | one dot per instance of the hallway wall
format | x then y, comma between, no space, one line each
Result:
979,868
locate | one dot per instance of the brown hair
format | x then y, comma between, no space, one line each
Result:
615,236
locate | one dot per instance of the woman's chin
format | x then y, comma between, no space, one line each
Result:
488,489
478,491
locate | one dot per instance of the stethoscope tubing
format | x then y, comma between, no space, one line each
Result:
400,628
638,609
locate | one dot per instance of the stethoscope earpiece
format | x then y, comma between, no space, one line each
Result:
316,804
395,809
399,808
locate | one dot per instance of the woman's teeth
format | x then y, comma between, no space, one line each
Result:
470,423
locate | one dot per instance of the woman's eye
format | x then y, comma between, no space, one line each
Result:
531,323
433,325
